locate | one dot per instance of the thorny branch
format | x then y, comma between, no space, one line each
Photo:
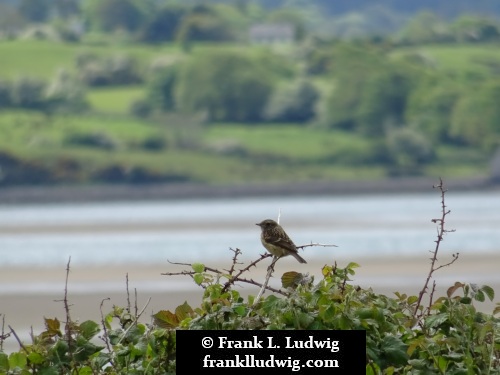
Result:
441,231
69,323
105,337
270,271
18,339
236,278
3,335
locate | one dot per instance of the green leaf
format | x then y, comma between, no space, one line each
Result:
198,267
412,299
344,322
326,270
85,349
304,320
466,300
61,349
183,311
4,362
435,320
395,350
198,278
166,319
372,369
479,296
488,290
53,327
240,310
18,360
35,358
442,364
89,329
291,279
86,370
48,371
496,310
271,304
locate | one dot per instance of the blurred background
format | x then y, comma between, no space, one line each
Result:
137,132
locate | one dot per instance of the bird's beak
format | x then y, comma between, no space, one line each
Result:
258,224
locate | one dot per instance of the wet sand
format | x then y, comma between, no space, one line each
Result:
27,295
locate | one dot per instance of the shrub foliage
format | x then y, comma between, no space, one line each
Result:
405,335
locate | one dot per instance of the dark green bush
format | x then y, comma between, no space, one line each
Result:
96,140
106,71
228,86
293,103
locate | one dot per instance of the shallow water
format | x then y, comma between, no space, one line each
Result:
193,230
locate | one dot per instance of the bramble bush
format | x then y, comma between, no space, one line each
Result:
405,335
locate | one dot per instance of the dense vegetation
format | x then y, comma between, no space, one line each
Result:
166,91
420,334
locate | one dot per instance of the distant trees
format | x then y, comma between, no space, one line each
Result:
430,106
35,10
113,15
292,102
369,92
403,99
427,27
163,24
63,93
475,120
105,71
228,86
469,28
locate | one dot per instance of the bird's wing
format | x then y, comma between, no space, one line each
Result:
284,242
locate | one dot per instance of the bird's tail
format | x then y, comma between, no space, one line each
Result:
298,257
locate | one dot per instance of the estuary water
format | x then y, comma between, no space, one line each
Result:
100,234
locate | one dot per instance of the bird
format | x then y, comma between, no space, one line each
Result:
276,241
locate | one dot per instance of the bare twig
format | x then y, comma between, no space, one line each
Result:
232,280
239,279
315,244
236,278
3,335
18,339
270,271
68,327
135,306
104,327
137,317
128,293
441,231
431,296
234,261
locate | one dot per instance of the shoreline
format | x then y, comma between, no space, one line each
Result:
151,192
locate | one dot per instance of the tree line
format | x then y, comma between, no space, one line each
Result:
153,21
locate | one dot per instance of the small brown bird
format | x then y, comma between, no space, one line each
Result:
276,241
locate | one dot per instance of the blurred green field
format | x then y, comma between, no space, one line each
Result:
462,60
290,153
114,100
42,59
